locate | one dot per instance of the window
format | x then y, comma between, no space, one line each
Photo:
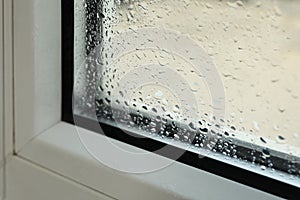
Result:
207,83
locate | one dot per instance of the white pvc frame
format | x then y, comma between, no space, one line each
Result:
33,95
1,79
1,100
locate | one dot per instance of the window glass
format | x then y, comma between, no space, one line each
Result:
210,74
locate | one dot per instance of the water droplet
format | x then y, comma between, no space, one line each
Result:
226,133
281,109
130,7
263,140
209,6
277,11
205,130
266,153
176,108
232,4
154,110
239,3
164,101
143,5
276,127
192,126
159,94
280,139
258,4
256,126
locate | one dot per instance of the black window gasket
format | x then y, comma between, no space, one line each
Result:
213,166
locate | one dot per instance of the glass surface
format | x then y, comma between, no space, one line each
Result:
194,70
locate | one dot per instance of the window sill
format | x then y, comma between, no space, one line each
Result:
59,149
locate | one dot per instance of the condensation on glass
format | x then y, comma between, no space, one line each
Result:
253,46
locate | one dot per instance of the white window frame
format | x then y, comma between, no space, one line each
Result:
1,78
36,134
1,100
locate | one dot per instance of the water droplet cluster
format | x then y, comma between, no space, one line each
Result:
256,48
